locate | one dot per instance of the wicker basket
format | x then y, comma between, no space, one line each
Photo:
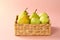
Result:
32,29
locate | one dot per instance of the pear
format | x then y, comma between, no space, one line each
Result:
23,18
34,15
35,21
44,14
34,18
44,20
23,13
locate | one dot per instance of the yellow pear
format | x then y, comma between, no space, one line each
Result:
23,18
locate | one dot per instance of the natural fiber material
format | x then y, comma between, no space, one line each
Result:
32,29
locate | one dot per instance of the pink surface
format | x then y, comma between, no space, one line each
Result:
10,8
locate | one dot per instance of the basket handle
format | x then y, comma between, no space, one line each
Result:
16,19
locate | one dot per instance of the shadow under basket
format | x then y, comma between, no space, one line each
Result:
32,29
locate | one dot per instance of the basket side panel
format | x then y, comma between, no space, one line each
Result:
30,29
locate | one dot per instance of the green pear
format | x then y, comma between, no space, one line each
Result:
44,20
35,21
34,15
44,14
34,18
23,18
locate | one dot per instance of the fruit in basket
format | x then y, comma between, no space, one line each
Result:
44,20
44,14
34,18
23,18
34,15
35,21
23,13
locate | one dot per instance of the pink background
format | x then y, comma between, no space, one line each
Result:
10,8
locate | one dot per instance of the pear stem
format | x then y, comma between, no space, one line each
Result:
26,9
35,10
